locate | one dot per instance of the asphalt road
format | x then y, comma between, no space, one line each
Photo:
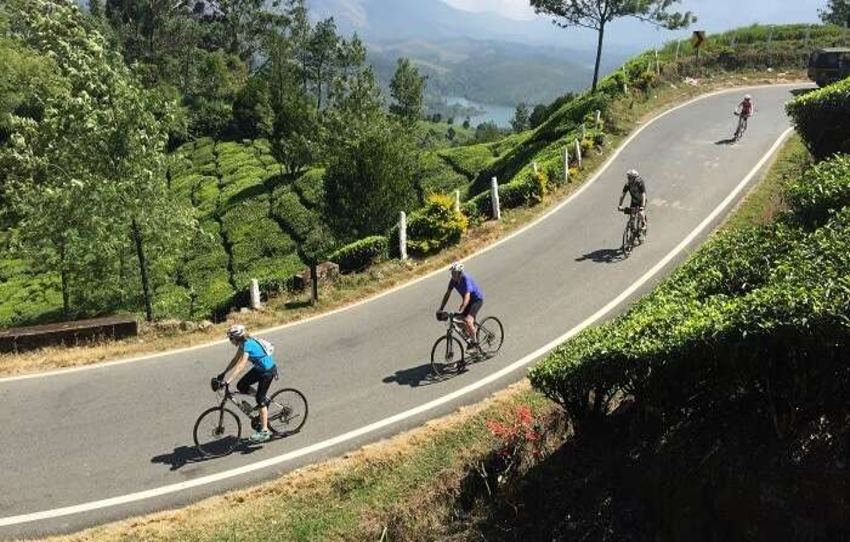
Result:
116,441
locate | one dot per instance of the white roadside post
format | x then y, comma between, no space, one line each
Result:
534,166
625,80
678,47
567,164
578,153
256,304
457,201
402,236
494,197
583,131
657,64
598,119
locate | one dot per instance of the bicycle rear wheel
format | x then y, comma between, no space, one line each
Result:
217,431
490,335
446,356
287,412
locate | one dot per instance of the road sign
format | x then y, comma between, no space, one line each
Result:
698,38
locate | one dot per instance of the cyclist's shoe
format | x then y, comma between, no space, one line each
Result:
260,436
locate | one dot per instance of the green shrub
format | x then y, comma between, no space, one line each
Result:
824,188
439,177
361,254
470,160
212,298
172,301
436,226
822,118
273,273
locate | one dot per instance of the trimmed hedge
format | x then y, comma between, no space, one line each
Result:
822,118
361,254
311,187
823,188
287,208
527,190
757,305
439,177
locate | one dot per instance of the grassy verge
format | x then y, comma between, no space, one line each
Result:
435,482
630,112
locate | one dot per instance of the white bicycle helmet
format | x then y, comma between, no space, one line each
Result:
747,98
632,174
456,267
236,331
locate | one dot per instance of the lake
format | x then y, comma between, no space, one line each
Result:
500,114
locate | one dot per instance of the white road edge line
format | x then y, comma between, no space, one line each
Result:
212,478
596,176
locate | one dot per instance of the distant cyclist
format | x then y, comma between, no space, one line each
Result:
744,111
471,299
263,371
636,188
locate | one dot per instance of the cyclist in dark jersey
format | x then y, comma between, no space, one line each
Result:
744,110
471,299
636,188
263,371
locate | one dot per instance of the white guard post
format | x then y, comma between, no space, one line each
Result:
457,201
256,304
567,164
494,197
578,153
402,236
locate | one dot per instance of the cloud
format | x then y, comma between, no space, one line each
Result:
513,9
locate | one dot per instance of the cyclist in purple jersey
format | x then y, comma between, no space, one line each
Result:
471,299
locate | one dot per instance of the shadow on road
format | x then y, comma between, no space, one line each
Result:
605,255
729,141
185,455
414,377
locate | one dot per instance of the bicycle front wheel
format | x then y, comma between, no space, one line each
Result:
446,355
287,412
628,238
217,431
490,336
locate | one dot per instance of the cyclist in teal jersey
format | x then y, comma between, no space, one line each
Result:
263,371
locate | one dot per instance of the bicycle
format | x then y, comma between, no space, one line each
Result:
448,355
742,126
218,429
634,230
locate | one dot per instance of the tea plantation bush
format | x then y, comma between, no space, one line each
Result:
760,311
361,254
436,226
822,117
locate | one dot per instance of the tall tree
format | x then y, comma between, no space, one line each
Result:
96,153
521,118
406,89
596,14
836,12
323,52
372,160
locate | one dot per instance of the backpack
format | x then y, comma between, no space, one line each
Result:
267,347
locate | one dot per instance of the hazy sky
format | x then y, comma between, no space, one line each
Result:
714,15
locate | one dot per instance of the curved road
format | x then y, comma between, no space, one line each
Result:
83,447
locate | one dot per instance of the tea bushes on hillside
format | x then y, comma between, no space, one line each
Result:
288,210
824,187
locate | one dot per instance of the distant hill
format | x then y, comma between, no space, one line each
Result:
491,72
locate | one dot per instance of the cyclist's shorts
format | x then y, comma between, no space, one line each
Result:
473,308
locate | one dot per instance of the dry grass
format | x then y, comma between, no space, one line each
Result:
632,111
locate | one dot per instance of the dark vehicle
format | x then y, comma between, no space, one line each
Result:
826,66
